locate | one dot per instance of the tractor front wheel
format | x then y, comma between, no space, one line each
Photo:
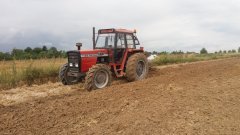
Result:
137,67
64,78
98,76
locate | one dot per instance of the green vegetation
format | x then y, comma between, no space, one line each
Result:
179,57
20,72
35,53
182,58
26,67
204,51
30,66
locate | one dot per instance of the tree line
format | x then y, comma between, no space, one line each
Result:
53,52
33,53
202,51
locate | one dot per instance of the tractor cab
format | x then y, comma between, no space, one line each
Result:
116,40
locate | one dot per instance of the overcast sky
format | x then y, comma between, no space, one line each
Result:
162,25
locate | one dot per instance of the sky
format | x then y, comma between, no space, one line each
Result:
162,25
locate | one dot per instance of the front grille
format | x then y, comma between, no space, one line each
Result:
74,61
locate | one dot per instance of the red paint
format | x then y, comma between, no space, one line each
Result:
89,61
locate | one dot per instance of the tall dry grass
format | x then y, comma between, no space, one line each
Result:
21,72
27,72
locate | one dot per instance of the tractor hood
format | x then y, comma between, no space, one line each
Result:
90,57
94,53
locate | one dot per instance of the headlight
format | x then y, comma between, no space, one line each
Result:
76,65
70,64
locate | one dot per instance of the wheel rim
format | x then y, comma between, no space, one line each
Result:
140,68
101,79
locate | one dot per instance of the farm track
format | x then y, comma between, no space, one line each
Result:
196,98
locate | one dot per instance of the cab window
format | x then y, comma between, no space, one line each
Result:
130,42
120,41
105,40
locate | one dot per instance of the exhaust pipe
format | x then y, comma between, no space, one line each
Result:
93,38
79,45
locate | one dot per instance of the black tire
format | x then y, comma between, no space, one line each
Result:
64,78
137,67
95,75
62,73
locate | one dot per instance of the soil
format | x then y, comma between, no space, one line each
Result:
196,98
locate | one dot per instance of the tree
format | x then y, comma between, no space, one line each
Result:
63,54
1,56
154,52
239,50
224,51
7,56
28,50
203,51
220,51
18,53
191,52
52,52
177,52
44,48
43,54
234,51
163,52
37,50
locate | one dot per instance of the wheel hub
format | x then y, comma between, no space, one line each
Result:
101,79
140,68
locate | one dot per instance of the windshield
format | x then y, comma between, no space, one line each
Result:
105,40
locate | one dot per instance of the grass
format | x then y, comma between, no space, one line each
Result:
183,58
27,72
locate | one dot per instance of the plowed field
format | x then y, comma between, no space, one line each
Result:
196,98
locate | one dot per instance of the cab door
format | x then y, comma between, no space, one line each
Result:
120,47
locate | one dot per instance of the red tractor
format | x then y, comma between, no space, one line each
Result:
114,53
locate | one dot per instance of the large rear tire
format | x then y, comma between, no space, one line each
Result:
137,67
64,78
98,76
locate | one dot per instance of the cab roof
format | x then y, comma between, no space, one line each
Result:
112,30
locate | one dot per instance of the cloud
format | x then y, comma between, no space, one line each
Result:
162,25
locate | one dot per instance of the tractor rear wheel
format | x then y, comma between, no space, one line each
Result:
98,76
64,78
137,67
